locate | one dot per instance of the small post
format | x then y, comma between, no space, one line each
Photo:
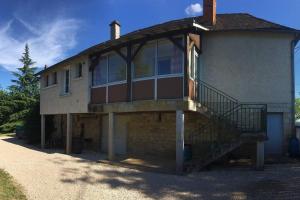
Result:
111,131
69,134
179,141
43,133
260,155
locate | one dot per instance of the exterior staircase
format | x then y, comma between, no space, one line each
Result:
229,123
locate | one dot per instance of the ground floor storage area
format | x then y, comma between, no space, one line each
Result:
136,137
152,134
149,138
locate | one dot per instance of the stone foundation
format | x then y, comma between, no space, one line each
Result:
151,133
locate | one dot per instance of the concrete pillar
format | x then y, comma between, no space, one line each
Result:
43,131
179,141
111,132
260,155
69,134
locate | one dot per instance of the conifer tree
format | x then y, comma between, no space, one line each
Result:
26,82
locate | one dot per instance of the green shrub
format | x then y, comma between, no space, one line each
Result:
10,127
19,115
32,124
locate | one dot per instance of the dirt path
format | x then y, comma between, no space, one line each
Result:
53,175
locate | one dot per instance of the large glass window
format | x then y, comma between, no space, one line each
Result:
116,68
111,68
169,58
144,62
100,72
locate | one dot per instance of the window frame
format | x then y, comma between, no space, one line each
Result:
106,56
54,75
182,61
194,57
78,70
156,75
65,81
47,80
155,63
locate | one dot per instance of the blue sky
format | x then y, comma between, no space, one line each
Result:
57,29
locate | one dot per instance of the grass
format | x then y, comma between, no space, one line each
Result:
9,189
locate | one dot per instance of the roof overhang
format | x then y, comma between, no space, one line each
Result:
151,33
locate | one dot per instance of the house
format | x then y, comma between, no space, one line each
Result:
212,83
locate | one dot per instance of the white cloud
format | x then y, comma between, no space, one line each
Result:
48,42
194,9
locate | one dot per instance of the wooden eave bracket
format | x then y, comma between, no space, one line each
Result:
138,49
94,57
120,54
176,43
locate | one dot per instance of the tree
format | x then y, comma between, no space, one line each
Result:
21,99
26,82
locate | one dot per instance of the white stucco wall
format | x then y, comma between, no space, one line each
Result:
253,67
249,66
52,100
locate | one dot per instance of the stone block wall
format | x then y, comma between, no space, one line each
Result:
152,134
155,133
90,125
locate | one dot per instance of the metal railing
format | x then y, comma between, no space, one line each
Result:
245,117
215,100
228,120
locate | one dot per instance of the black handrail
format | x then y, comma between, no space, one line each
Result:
217,90
250,118
228,120
215,100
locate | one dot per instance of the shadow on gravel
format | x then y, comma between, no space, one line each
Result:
276,182
24,144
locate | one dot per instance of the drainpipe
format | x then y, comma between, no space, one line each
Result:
293,45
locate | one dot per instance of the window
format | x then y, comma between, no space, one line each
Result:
67,81
116,68
111,68
54,77
194,64
169,58
192,68
144,62
100,72
163,54
78,72
47,80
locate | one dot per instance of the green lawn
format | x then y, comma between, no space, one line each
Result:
9,189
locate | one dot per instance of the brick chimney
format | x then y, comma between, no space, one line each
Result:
115,30
210,12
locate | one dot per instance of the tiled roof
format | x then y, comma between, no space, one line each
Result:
244,21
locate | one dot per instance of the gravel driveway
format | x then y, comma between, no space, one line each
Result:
53,175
